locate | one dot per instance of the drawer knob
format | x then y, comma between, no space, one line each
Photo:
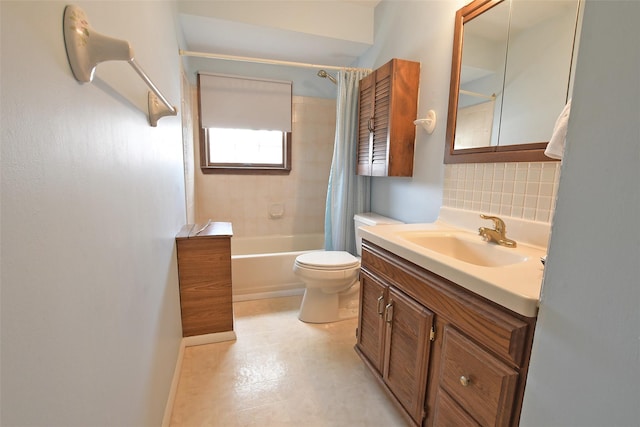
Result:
464,381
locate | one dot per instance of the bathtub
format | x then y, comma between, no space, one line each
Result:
262,267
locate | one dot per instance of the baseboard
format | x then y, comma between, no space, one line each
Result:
269,294
168,409
209,338
184,343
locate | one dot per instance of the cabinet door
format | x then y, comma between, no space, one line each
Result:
373,128
371,331
380,141
365,125
407,349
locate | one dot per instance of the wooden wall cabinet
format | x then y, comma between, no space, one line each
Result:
446,356
387,108
204,271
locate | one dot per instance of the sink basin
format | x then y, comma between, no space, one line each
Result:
467,248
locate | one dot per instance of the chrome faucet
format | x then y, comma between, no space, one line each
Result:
498,234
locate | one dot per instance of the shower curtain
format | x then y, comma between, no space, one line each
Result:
347,193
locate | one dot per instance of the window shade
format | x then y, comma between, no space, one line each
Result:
244,103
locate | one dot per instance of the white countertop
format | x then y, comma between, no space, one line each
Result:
516,286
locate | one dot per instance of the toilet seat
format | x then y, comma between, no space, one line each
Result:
327,260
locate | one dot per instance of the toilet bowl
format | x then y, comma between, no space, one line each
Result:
332,288
329,278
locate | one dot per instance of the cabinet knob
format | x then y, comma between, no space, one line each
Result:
464,381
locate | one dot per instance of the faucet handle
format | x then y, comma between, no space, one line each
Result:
497,222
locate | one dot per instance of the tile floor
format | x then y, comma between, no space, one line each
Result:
280,372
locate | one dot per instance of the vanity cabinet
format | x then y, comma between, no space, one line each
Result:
388,105
445,356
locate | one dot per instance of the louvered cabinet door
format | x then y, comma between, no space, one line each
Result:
370,342
380,144
407,349
365,125
388,107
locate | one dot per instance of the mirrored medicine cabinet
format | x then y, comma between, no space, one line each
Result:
511,76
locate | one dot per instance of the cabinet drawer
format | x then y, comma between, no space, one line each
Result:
477,381
449,414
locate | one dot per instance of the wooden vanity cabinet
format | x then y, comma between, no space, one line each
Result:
445,356
388,105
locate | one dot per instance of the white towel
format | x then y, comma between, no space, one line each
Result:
555,147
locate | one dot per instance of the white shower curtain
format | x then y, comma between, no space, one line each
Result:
347,193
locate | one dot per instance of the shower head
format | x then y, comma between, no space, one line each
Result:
325,75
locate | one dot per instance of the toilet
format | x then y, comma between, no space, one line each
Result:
331,280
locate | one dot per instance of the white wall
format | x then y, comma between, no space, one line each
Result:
585,366
92,197
419,31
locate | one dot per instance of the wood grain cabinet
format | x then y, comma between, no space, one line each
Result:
388,105
204,271
446,356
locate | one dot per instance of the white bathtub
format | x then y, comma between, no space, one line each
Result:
262,267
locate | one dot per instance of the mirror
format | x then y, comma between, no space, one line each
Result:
510,78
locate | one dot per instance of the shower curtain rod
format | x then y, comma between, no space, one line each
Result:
479,95
264,61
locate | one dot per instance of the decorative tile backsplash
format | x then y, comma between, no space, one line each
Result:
521,190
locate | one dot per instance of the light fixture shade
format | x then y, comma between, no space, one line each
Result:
244,103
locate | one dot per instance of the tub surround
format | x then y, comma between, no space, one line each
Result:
515,287
297,199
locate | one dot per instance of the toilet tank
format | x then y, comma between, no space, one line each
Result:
369,218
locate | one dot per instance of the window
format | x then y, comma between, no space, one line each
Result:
245,124
246,149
